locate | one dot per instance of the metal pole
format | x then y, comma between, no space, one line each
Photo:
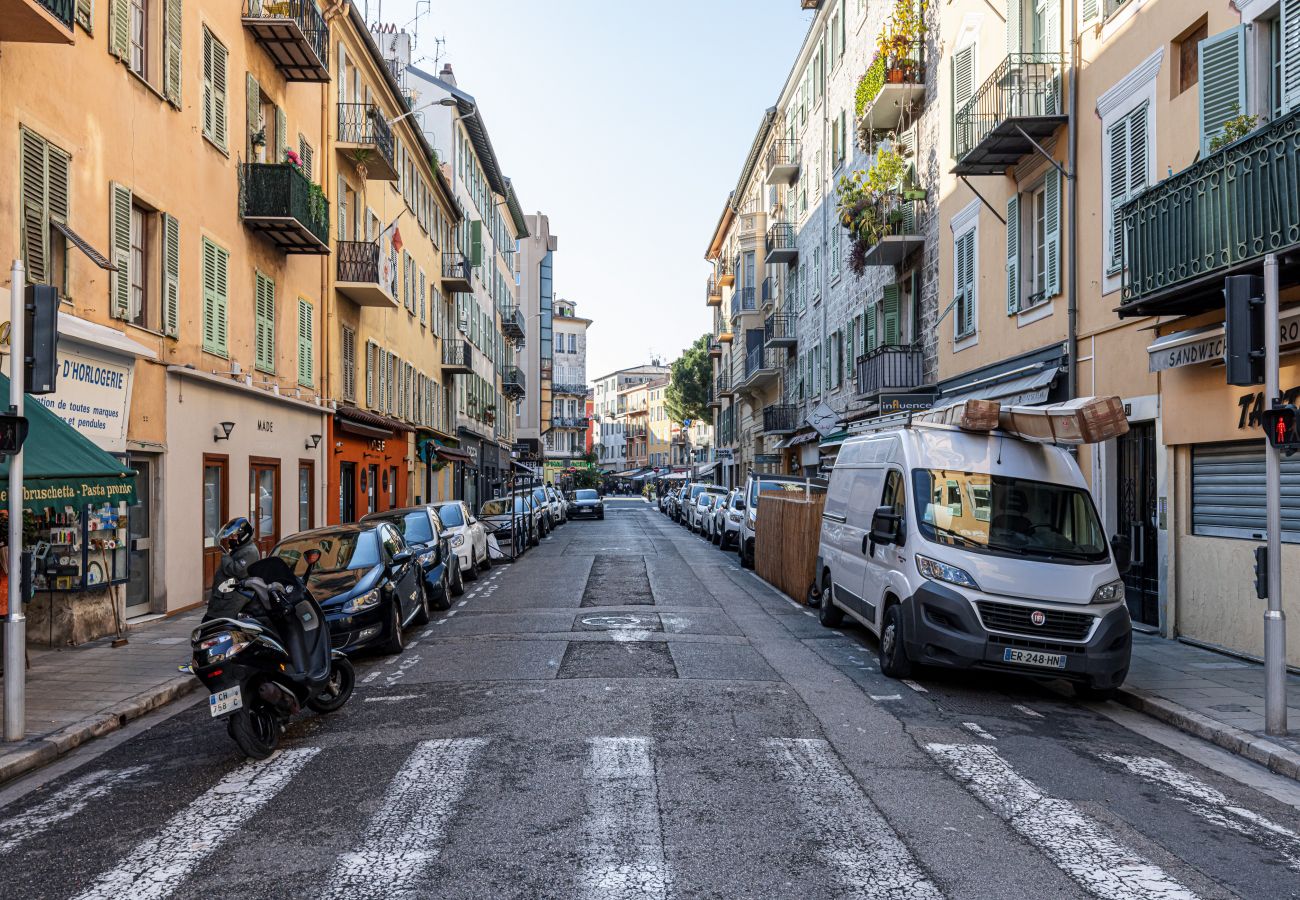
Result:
1274,618
16,623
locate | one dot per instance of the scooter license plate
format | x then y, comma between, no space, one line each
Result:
225,701
1034,658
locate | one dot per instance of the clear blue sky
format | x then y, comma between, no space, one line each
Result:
627,123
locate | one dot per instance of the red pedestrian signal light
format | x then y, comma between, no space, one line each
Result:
1280,427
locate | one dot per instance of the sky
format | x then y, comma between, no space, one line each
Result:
627,124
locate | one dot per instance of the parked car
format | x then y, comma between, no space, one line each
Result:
722,510
367,582
756,485
548,516
512,528
586,503
468,537
537,516
679,503
422,530
690,496
701,511
555,501
956,560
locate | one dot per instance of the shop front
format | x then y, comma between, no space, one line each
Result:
369,463
493,481
468,477
234,450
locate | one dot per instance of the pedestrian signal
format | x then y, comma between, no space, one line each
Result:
1280,427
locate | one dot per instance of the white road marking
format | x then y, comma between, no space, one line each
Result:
1079,846
62,804
1033,714
428,631
391,698
885,696
371,677
405,835
441,621
462,603
869,860
914,686
407,662
974,728
624,855
452,613
159,864
809,613
629,635
1214,805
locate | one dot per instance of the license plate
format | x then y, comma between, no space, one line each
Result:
1034,658
225,701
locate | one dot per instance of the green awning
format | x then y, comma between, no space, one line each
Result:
61,467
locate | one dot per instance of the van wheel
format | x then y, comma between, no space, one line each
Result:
893,654
830,615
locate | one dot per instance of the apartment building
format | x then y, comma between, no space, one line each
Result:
609,405
659,425
537,305
634,413
566,441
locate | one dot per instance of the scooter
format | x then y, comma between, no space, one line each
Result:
263,650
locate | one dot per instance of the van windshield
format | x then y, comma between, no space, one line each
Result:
1008,516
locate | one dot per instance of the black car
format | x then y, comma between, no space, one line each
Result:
367,581
586,503
422,530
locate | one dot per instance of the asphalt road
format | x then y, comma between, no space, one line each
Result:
626,713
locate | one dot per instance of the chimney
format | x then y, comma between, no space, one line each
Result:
447,75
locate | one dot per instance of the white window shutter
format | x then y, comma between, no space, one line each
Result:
1223,82
1015,24
1290,54
1013,255
1091,9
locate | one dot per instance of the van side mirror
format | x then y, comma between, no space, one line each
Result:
1122,549
740,506
886,526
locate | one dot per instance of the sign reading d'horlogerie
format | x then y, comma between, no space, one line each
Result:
94,397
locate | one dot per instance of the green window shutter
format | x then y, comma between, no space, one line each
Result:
1052,229
264,315
872,333
1223,82
1015,20
254,111
306,347
891,302
968,281
86,15
963,88
1117,137
33,163
1013,255
119,28
476,242
342,206
119,229
172,15
1091,9
307,155
1290,54
215,102
370,375
281,136
215,274
171,240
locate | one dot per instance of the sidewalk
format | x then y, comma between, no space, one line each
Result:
1213,696
75,694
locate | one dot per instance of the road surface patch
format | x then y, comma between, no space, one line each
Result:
623,856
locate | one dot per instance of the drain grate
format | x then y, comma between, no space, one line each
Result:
617,581
601,659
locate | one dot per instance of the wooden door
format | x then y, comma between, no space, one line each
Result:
216,511
264,502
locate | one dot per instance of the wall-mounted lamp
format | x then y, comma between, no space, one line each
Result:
313,442
224,432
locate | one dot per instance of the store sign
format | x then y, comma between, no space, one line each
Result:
824,419
897,403
93,396
1250,406
1193,348
767,459
724,454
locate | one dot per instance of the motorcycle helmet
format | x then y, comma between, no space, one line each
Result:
235,534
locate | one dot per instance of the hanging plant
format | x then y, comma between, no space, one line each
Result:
870,203
870,85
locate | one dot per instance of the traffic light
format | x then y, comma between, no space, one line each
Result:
13,431
1261,572
1279,425
1243,329
41,339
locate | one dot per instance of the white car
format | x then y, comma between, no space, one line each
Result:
559,506
468,537
729,518
702,508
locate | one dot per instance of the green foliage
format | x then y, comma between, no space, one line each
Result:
869,202
869,86
687,396
1234,129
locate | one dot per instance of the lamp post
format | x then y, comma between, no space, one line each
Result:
442,101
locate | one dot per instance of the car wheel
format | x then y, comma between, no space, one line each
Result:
471,574
830,615
337,690
457,582
893,653
444,601
396,642
422,614
745,561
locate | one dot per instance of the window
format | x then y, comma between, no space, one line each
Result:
816,275
963,88
138,309
306,343
1033,245
349,353
573,343
45,173
1222,69
1125,175
1189,55
264,324
964,263
139,14
216,264
215,109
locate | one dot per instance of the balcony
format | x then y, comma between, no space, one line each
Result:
1218,217
715,402
456,274
294,35
901,76
512,382
357,275
781,418
457,358
512,323
898,237
782,165
575,390
779,330
1020,104
577,422
715,349
726,273
762,367
781,247
725,335
713,292
366,139
37,21
743,301
768,293
890,368
722,387
277,201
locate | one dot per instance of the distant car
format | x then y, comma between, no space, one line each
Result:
548,515
367,583
512,528
730,516
586,504
665,501
538,512
556,502
690,501
679,503
468,537
757,485
702,510
422,530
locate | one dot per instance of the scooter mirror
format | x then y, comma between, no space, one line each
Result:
311,557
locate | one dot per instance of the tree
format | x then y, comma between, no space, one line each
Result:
687,396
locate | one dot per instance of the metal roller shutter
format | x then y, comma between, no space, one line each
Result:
1228,492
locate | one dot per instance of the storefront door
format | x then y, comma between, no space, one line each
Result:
264,502
306,494
1136,506
347,492
139,590
372,488
216,480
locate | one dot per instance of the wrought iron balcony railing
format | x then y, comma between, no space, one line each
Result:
724,272
457,356
763,360
512,381
1021,102
897,235
723,385
781,246
713,292
743,301
890,368
277,200
1220,215
512,322
780,418
294,34
362,125
455,273
779,330
782,163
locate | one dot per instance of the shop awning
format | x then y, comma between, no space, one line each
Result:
795,440
63,468
351,416
451,454
1023,389
707,470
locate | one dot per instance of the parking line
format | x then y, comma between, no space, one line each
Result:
1033,714
885,696
441,621
914,686
371,677
974,728
391,698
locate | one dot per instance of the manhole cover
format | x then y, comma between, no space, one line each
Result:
618,622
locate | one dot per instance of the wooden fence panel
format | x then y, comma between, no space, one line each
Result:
785,546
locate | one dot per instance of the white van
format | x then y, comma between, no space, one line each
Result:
973,550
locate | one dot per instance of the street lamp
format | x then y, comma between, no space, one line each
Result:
442,101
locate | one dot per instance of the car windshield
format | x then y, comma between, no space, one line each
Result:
539,495
339,551
1008,516
586,495
414,526
759,487
451,515
501,507
698,489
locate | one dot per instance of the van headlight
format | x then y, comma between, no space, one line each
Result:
1109,593
941,571
368,600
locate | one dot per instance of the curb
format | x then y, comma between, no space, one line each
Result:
45,750
1274,757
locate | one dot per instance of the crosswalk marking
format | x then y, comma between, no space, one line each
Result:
1079,846
1214,806
1021,708
869,860
405,836
157,866
976,729
63,804
624,855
